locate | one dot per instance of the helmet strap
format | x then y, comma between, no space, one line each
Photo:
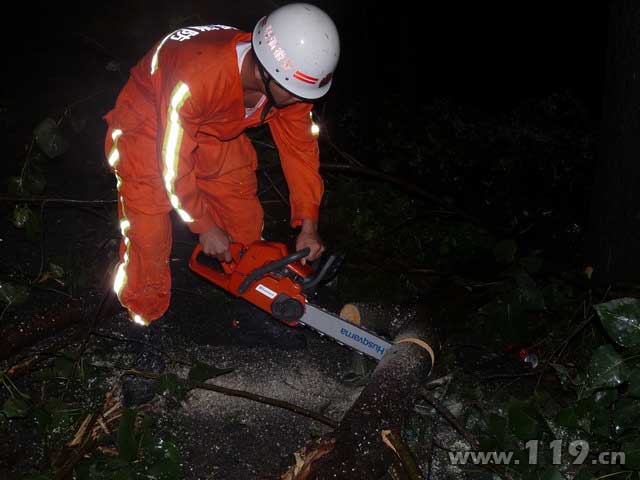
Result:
266,80
266,109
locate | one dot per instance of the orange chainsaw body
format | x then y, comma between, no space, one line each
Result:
278,291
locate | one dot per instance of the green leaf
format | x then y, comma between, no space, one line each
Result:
606,368
621,320
600,419
21,215
64,367
632,455
35,182
522,421
41,417
497,430
505,251
563,374
15,186
56,270
15,408
49,138
99,467
531,264
33,227
165,470
585,473
167,383
62,418
634,383
626,415
165,457
604,398
552,473
202,372
13,294
528,294
585,411
568,417
37,476
127,442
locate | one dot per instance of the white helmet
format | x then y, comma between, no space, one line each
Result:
298,45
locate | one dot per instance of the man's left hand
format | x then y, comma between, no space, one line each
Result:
309,237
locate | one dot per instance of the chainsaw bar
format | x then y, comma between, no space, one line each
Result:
343,332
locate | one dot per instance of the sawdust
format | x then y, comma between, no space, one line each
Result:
224,437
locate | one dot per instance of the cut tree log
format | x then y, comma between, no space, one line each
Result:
384,319
356,449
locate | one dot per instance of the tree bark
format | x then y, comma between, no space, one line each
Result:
614,226
384,319
356,449
23,334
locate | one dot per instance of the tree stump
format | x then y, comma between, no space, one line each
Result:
356,449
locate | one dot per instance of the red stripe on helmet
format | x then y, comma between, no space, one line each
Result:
304,77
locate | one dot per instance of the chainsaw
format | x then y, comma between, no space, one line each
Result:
274,280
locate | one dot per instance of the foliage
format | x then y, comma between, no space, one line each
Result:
525,168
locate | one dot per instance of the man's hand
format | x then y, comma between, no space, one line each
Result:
216,242
309,237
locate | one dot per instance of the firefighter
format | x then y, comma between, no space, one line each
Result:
176,142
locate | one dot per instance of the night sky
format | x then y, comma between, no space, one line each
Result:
486,53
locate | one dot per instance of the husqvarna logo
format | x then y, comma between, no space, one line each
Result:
360,339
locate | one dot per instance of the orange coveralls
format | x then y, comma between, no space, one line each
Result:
175,141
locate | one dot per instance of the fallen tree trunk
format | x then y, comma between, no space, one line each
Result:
26,333
384,319
357,448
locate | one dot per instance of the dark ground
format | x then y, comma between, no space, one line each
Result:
72,64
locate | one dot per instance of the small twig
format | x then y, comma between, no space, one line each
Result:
391,268
4,310
395,443
557,353
7,198
275,188
263,143
239,393
348,157
448,416
509,375
87,436
405,185
125,339
67,463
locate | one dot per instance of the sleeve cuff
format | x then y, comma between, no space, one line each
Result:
300,212
202,224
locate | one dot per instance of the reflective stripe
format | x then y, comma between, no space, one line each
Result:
114,155
140,321
171,147
154,60
315,128
121,274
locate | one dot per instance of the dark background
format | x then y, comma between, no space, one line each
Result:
397,59
490,53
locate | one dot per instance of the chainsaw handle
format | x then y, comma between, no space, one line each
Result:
210,268
319,274
270,267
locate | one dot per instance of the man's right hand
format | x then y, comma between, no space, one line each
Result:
216,242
